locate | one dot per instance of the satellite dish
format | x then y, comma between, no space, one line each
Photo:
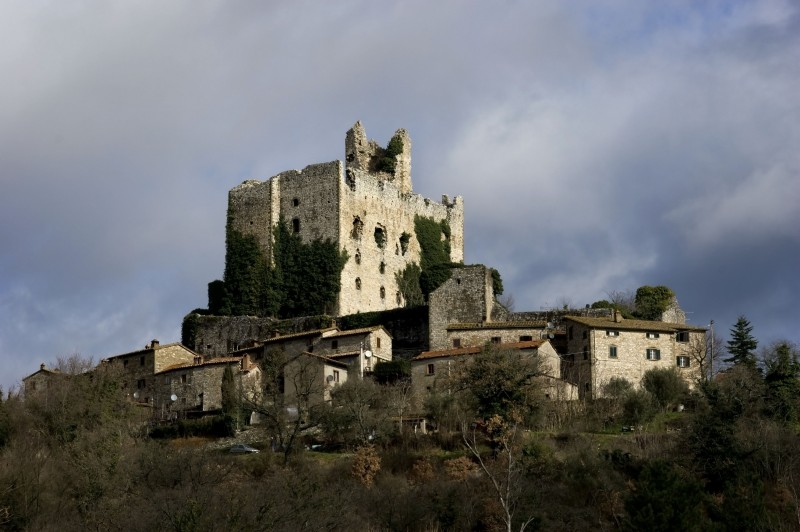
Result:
549,325
173,397
329,378
136,394
551,336
367,353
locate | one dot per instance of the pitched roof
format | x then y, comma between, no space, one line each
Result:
474,350
209,362
362,330
498,325
634,325
327,360
315,332
147,349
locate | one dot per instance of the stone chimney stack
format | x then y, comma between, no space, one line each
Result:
42,367
154,344
617,316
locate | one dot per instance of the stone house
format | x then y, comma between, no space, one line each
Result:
360,349
38,383
311,377
195,389
431,370
602,348
138,368
368,211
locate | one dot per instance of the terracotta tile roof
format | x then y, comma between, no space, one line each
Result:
498,325
633,325
327,360
532,344
147,349
209,362
315,332
362,330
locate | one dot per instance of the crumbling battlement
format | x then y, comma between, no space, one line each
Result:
366,206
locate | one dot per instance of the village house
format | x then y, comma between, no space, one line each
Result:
600,349
431,371
195,389
138,368
38,383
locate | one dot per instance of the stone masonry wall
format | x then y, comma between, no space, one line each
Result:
370,206
325,201
594,371
464,298
219,335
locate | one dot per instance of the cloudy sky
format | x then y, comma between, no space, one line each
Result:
598,145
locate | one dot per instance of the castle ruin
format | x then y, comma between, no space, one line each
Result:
365,205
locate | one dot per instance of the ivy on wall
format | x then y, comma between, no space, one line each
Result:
417,281
304,280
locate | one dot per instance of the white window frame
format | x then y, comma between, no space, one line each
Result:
683,358
653,354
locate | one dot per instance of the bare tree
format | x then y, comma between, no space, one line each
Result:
706,353
503,468
290,397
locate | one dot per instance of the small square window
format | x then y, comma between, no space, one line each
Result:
612,333
652,335
612,351
430,369
456,342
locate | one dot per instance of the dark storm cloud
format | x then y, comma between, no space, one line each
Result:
598,146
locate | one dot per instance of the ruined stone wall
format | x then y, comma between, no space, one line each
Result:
323,201
219,335
250,211
371,206
464,298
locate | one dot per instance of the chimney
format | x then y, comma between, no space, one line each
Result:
617,316
42,367
154,344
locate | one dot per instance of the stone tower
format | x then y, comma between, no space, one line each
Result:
366,205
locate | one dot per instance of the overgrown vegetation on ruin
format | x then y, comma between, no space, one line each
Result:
388,161
303,280
416,281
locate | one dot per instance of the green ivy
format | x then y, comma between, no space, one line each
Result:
409,285
189,327
388,162
652,301
304,280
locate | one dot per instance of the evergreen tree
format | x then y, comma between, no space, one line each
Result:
742,345
783,386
